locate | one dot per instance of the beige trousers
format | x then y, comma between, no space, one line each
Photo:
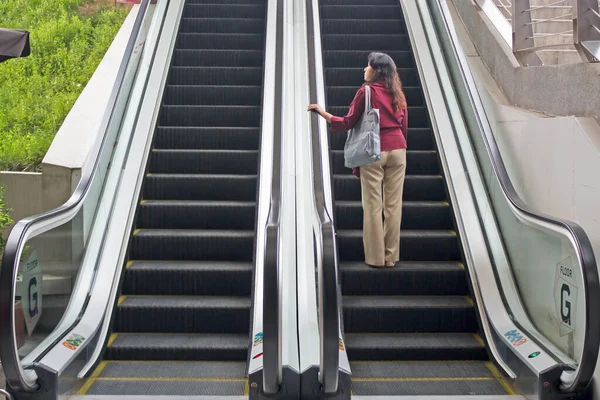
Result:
382,185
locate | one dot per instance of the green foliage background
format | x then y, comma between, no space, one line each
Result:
37,92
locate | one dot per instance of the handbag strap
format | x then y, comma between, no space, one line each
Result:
367,98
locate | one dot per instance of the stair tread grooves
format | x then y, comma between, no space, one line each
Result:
404,233
203,151
180,340
407,203
212,233
411,340
199,203
176,266
372,301
405,266
174,369
207,176
210,302
353,178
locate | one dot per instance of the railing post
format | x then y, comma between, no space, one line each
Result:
586,29
522,28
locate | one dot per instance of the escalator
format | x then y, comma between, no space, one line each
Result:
181,324
412,329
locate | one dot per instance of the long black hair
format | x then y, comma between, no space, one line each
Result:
385,70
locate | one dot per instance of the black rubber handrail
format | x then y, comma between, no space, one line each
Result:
33,226
272,321
328,285
587,363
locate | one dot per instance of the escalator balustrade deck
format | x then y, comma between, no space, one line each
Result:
412,329
181,323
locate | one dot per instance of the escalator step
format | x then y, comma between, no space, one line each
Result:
415,245
200,187
366,42
425,378
207,138
187,244
247,76
355,76
418,162
235,215
342,26
361,11
358,58
376,314
343,95
222,25
418,139
416,188
216,10
406,279
417,116
201,278
360,2
242,162
246,41
218,58
246,116
180,314
183,347
225,2
415,215
184,378
414,346
213,95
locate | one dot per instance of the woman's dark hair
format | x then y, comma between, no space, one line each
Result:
385,70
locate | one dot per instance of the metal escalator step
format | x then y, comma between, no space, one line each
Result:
247,76
193,161
216,10
415,245
247,116
200,187
425,378
399,314
226,2
418,162
222,25
207,138
358,58
188,278
418,139
416,188
158,214
188,244
196,95
418,117
220,41
359,2
406,279
415,215
355,77
340,26
361,11
183,347
411,346
218,58
366,42
183,314
167,378
342,96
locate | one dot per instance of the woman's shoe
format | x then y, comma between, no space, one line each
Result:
390,264
375,266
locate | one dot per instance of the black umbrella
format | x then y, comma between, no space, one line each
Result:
14,43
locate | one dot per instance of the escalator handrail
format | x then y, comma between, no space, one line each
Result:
27,228
272,321
325,246
579,379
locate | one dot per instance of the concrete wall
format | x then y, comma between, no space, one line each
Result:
534,88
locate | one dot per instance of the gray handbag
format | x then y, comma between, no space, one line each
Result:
363,143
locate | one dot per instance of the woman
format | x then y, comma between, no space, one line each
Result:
381,238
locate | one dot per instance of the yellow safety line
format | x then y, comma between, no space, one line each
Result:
461,265
129,264
143,202
121,299
88,384
135,232
112,339
165,361
500,378
433,379
479,339
416,361
246,388
469,300
453,233
172,379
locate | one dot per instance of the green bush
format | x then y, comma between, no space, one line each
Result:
37,92
5,219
